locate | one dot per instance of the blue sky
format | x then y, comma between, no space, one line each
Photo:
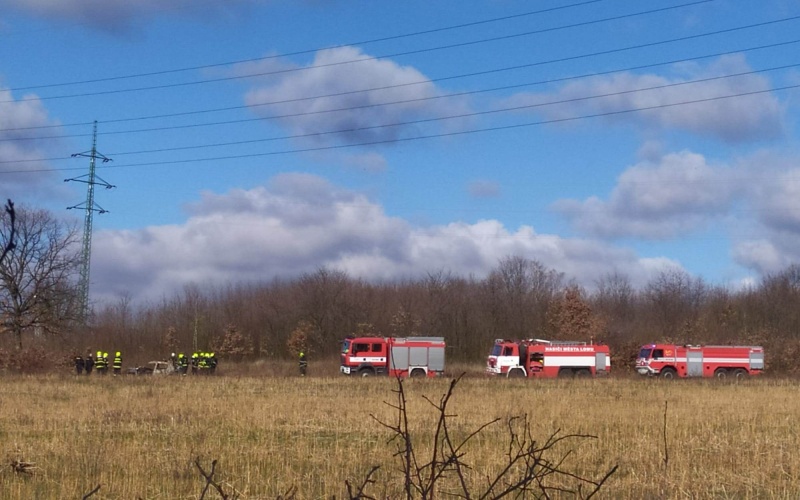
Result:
252,139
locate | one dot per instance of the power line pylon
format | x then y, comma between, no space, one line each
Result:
91,180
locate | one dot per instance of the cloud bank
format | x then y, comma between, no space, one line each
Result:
752,117
299,223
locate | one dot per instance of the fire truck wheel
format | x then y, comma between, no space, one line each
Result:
516,373
721,373
669,373
366,372
583,373
417,373
740,373
566,373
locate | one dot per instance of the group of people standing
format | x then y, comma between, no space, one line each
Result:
98,363
202,363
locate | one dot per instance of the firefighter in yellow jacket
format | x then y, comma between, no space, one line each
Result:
117,366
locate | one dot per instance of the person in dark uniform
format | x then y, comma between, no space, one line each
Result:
212,363
303,364
79,365
88,363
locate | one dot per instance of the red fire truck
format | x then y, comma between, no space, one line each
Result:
393,356
670,361
547,358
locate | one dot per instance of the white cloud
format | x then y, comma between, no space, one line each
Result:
24,174
761,256
300,222
773,192
745,118
679,193
339,112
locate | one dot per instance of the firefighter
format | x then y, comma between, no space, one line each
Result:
183,363
212,363
100,364
538,362
117,363
105,363
88,363
195,362
203,363
303,364
79,365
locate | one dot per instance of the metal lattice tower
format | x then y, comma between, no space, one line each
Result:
91,180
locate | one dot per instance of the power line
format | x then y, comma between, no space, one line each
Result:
463,115
386,56
339,94
467,115
310,51
433,136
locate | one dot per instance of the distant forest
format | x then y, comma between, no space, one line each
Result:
520,298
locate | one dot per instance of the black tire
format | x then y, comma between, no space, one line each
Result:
721,373
669,373
566,373
366,372
583,373
740,373
516,373
417,373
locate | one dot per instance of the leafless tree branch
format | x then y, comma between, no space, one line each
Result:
91,493
12,223
527,469
212,483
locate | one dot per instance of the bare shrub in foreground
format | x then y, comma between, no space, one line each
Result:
528,470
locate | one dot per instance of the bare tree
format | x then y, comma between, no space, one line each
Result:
9,243
38,277
324,299
519,292
676,298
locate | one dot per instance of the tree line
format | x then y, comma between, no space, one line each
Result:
519,298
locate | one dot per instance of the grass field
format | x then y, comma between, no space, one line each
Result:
138,437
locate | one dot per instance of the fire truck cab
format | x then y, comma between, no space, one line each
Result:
671,361
393,356
537,358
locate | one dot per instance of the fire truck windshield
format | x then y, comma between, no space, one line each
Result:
645,353
497,349
345,347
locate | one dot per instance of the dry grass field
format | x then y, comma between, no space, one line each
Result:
138,437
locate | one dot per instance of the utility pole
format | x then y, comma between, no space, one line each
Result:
91,180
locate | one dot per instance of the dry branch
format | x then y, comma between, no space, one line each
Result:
211,482
12,219
527,470
91,493
22,467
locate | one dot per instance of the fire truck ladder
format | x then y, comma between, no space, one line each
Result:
559,342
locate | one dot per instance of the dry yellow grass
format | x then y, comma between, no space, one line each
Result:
138,437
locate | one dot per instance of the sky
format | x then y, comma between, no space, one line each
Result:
258,139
